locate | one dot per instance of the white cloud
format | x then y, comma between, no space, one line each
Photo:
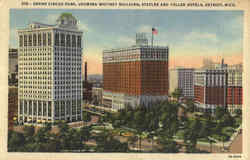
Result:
145,28
126,40
201,36
51,18
83,26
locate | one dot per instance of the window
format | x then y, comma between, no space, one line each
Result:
68,41
25,40
39,39
44,39
20,41
30,40
62,40
34,40
73,41
49,39
79,41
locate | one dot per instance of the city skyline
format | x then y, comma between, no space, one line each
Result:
188,34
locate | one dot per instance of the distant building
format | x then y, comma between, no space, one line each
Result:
209,64
97,95
12,106
87,86
49,70
183,79
135,75
13,66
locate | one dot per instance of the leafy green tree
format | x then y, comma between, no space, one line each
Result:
28,133
168,145
16,141
85,133
191,106
219,113
86,117
191,135
107,143
177,93
238,113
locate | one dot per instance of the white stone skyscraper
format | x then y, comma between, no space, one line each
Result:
49,71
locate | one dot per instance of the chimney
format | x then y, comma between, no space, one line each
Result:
86,72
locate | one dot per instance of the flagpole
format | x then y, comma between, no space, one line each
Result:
152,39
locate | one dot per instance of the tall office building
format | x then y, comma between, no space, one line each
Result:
183,79
49,70
135,75
234,88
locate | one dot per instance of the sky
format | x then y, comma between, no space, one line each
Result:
191,35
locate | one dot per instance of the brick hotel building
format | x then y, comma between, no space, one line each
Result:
210,89
49,71
136,75
221,86
234,88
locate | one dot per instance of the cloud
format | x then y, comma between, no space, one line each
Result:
201,36
145,28
51,18
126,40
83,27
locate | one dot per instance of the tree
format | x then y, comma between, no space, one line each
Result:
238,113
86,117
29,132
168,145
177,93
191,135
191,106
16,141
107,143
85,133
219,112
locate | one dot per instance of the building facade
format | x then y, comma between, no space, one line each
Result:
221,86
182,78
234,89
210,89
49,71
136,76
13,66
97,95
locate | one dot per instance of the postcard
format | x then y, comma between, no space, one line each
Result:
125,79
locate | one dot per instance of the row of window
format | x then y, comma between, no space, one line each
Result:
40,39
66,40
